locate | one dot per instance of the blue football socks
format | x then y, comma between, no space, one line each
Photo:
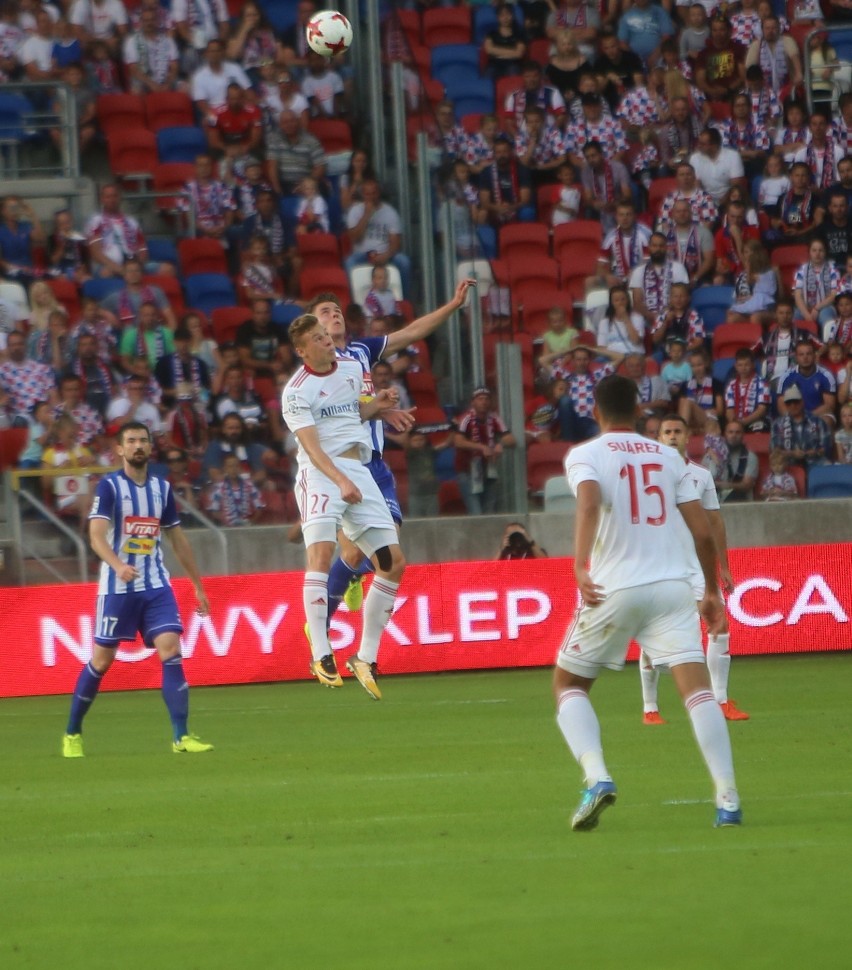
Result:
85,692
176,695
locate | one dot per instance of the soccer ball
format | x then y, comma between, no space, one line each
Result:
328,33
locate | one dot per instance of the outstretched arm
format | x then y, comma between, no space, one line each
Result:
421,328
185,556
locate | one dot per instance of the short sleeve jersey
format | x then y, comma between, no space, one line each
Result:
641,483
137,514
329,402
706,488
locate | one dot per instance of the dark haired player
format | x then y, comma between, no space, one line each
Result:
131,508
632,575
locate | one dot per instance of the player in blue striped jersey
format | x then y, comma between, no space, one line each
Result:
351,565
130,511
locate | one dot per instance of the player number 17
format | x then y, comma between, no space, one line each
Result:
650,489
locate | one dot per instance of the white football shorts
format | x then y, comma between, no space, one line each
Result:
367,523
661,617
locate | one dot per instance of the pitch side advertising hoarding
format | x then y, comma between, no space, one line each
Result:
449,616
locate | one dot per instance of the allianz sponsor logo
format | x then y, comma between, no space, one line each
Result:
333,410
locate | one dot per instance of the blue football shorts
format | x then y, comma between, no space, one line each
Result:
120,616
383,477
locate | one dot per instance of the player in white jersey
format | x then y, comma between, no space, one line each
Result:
322,406
674,432
348,569
130,511
632,575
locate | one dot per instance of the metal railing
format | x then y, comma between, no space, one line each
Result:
833,29
17,497
221,538
41,121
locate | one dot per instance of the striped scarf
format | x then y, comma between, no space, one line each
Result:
774,65
689,255
828,175
817,283
657,287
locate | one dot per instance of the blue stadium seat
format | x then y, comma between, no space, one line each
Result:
484,21
209,291
476,97
180,144
712,303
723,370
283,314
14,109
99,289
456,77
281,14
830,481
465,55
162,251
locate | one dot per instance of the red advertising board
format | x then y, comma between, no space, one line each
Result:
449,616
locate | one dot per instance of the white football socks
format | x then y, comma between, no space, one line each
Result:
650,677
711,733
315,599
579,726
719,664
378,609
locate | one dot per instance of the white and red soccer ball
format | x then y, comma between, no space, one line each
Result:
328,33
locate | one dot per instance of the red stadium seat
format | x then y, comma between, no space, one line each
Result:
545,459
579,237
410,23
334,134
536,268
170,285
450,501
788,259
660,188
12,443
202,256
171,177
314,281
120,112
446,25
728,338
67,295
168,109
318,249
422,388
536,309
524,240
132,152
226,321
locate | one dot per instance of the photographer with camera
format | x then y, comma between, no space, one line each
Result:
517,544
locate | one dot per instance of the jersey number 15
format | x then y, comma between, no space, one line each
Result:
651,499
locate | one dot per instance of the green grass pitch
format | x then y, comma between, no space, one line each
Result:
426,831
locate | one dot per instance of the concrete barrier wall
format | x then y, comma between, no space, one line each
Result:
453,539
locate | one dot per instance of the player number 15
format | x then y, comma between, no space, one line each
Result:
653,491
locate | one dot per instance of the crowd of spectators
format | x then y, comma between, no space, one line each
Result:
595,105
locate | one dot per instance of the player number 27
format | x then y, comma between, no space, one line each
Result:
319,503
650,489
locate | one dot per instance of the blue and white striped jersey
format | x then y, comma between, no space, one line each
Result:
368,351
137,514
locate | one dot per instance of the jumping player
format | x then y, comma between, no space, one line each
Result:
673,432
344,580
131,508
322,406
632,576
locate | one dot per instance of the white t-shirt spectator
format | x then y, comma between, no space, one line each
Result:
212,86
37,50
156,54
613,335
119,407
203,17
98,19
716,174
323,89
385,222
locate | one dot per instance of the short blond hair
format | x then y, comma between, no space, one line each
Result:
300,327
